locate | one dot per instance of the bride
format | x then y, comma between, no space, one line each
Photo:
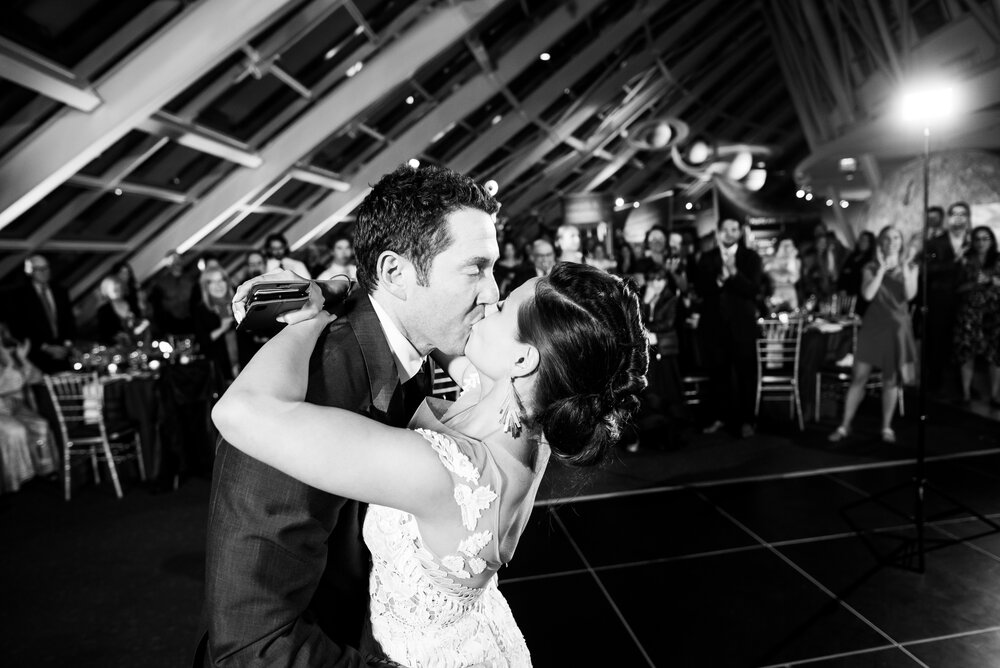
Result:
555,369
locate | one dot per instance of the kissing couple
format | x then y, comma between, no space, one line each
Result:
356,522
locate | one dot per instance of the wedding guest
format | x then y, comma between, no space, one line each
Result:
784,269
944,266
254,266
41,315
505,270
543,258
665,391
626,258
885,340
863,253
341,262
171,297
821,267
117,322
131,291
598,257
977,325
728,283
215,329
276,247
655,253
935,222
27,445
568,243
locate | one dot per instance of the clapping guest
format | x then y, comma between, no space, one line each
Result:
977,326
254,266
568,242
215,329
822,266
728,282
661,305
341,261
655,253
885,340
117,322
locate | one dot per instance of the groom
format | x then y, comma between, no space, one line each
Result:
286,580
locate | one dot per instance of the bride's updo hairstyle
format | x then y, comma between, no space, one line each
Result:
587,327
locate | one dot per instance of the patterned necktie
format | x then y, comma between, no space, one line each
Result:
50,312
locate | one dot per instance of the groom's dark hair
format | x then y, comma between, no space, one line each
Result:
405,212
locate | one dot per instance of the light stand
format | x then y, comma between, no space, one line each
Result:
911,552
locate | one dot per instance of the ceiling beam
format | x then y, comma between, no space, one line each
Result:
130,188
163,67
64,246
75,207
34,72
551,89
612,88
319,177
391,67
144,23
454,108
202,139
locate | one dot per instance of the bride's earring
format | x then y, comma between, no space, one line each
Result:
511,411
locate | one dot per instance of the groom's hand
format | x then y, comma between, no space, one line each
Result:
310,310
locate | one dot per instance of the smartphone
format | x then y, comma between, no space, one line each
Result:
268,300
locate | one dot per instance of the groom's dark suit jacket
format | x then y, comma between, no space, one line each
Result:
286,580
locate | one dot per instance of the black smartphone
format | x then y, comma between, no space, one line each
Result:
267,301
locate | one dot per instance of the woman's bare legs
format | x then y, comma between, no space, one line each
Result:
855,393
890,396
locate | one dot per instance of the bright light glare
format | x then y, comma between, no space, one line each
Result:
829,202
409,99
928,105
800,193
414,163
620,201
689,206
544,57
809,196
635,205
844,204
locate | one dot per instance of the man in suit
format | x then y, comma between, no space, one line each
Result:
543,258
728,281
944,266
287,571
42,315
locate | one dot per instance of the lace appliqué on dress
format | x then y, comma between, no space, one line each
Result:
421,613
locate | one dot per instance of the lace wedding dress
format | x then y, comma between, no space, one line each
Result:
424,613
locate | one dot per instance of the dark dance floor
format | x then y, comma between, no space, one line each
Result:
721,553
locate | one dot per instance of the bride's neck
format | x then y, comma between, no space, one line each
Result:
481,421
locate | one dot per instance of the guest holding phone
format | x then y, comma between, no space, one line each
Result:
215,328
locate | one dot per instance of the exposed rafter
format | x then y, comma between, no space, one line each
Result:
415,140
201,139
41,75
163,67
389,68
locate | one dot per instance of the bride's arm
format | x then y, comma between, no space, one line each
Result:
264,414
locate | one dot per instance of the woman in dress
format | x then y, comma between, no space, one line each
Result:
450,496
977,327
784,268
341,261
27,445
214,326
117,320
885,340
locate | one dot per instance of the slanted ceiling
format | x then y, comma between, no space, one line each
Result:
128,129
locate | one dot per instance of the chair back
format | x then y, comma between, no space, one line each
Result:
78,402
778,348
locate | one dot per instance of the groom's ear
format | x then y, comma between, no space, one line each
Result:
391,270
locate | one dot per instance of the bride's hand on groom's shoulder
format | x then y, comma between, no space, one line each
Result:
313,307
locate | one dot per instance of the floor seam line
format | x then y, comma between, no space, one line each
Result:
815,582
604,590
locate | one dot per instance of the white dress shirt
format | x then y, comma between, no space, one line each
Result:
408,360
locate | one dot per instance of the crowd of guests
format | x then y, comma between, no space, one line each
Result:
700,308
